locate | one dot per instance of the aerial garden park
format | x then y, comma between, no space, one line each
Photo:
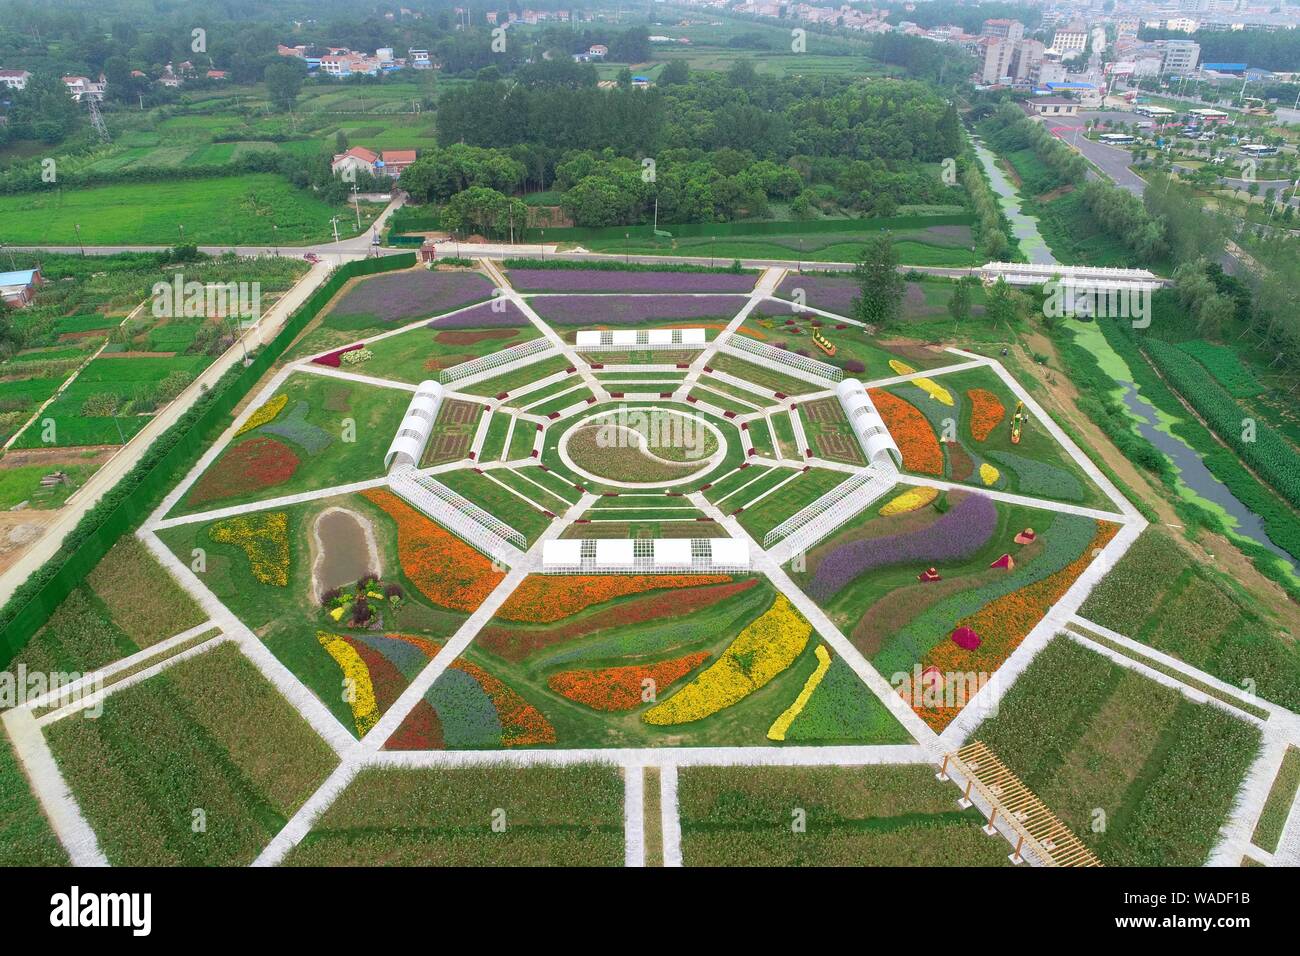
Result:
529,565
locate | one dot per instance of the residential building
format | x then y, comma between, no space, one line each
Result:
83,88
392,162
358,159
1179,57
1003,29
14,79
419,59
1072,38
17,289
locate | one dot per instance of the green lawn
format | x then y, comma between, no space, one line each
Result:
418,354
781,504
337,430
220,211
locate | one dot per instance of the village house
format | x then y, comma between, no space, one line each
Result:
14,79
17,289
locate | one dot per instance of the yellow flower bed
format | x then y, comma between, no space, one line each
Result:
988,474
934,390
782,723
265,414
761,651
909,501
364,710
927,385
264,538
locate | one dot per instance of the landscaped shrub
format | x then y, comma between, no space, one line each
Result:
543,598
250,466
986,412
1040,479
1225,367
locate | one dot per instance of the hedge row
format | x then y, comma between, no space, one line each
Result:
764,227
173,453
611,265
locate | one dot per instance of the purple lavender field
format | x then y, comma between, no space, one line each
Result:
635,309
822,292
956,535
412,294
483,316
613,280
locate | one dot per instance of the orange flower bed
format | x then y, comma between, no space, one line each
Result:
619,688
986,412
445,569
911,431
1004,623
543,598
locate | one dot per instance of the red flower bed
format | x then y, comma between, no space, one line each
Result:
335,359
620,688
252,465
517,643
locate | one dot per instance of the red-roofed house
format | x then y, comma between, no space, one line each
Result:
14,79
358,159
396,160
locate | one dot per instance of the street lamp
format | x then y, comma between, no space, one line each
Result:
275,232
543,245
77,226
627,248
182,229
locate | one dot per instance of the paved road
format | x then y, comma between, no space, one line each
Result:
1115,163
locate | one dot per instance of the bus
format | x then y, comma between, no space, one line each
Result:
1256,149
1116,139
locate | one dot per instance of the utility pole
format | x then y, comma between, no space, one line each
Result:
335,223
356,201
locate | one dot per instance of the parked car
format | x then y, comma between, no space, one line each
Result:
311,257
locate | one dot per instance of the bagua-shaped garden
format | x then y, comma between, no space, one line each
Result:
631,517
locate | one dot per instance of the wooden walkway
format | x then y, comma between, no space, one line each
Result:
1035,827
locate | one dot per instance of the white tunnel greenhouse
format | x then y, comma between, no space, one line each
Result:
408,444
867,424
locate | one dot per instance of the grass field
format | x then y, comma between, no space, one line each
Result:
828,816
1143,776
914,247
479,816
200,765
329,432
219,211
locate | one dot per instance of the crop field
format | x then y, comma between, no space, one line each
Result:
198,735
946,246
851,816
481,816
1142,775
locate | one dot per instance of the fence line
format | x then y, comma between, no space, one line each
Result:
516,353
802,363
